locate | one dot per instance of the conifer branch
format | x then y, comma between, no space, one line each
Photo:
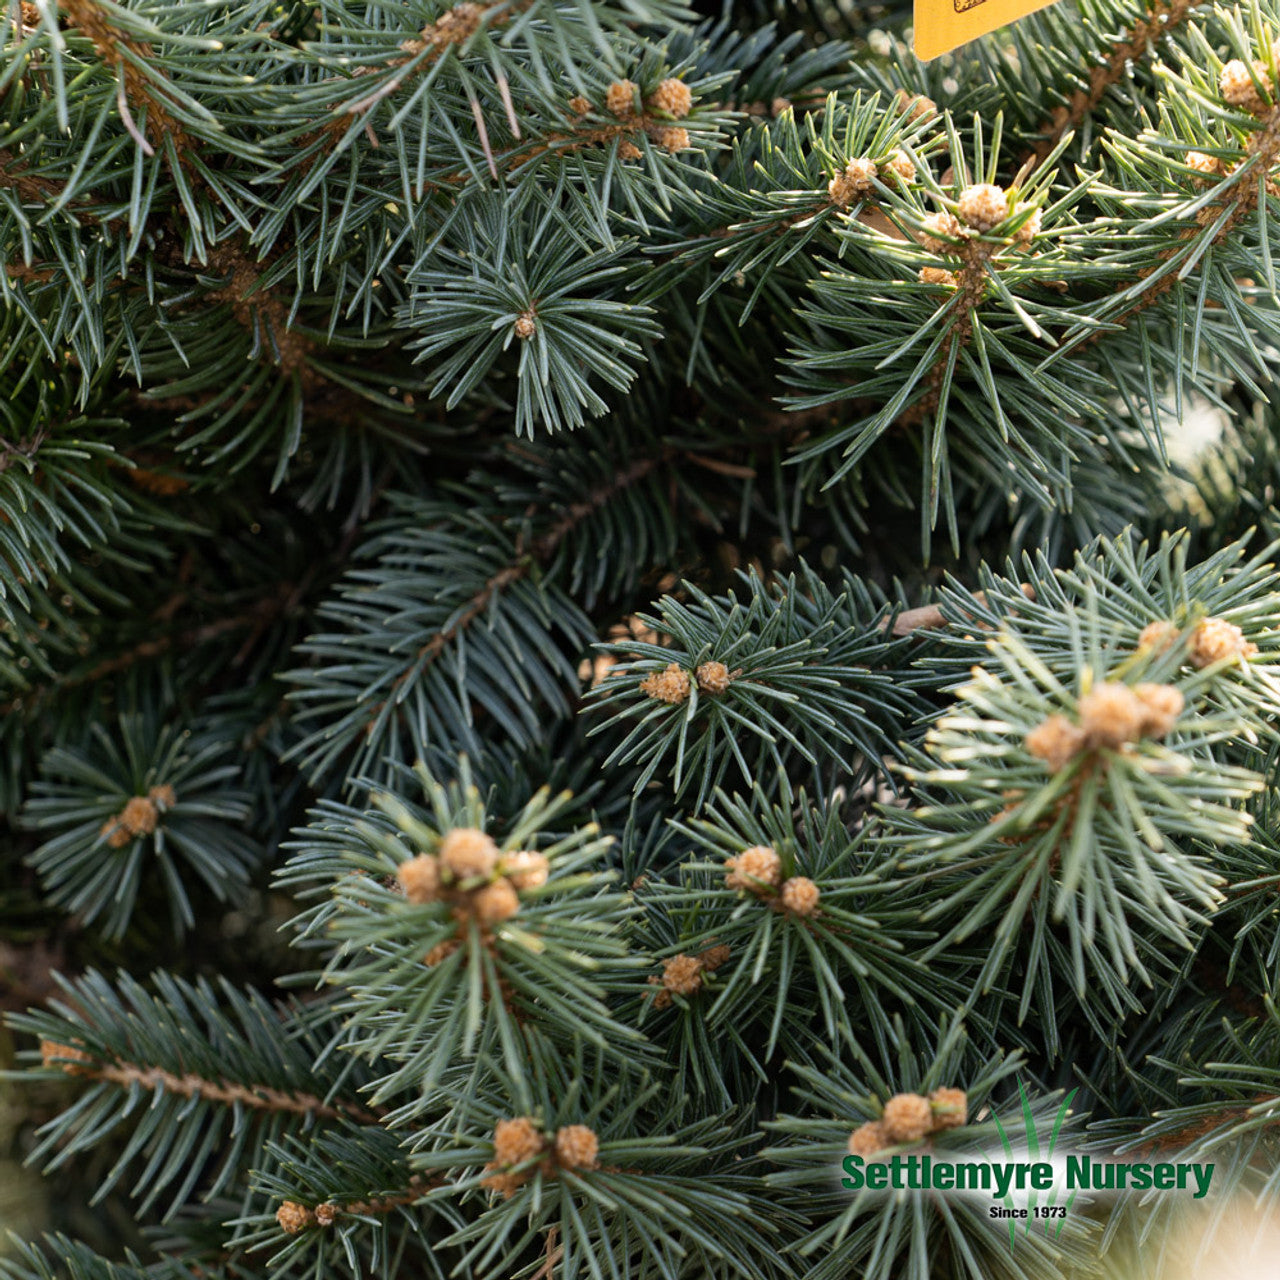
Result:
280,603
631,125
368,240
123,54
257,1097
971,288
31,188
249,301
456,26
294,1217
1157,22
930,617
543,548
590,125
24,449
540,552
1252,173
1212,1118
28,275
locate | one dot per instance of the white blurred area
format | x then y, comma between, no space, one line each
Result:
1200,428
1233,1241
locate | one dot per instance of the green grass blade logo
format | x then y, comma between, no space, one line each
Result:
1033,1151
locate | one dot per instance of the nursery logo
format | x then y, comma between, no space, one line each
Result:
1032,1184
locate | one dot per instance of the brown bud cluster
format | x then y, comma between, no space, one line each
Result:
682,974
1159,636
938,275
440,952
898,169
420,879
908,1118
474,877
713,677
983,206
800,895
525,869
1056,741
525,326
139,817
672,138
506,1184
455,25
671,685
950,1108
466,853
1112,714
515,1141
65,1057
620,98
1162,704
519,1140
1237,86
915,106
294,1217
867,1139
857,179
115,834
758,869
1028,231
1211,640
495,902
672,97
1206,167
937,225
577,1147
1217,640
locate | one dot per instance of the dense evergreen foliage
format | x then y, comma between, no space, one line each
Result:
602,604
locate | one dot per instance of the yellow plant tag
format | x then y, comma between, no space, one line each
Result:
942,25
